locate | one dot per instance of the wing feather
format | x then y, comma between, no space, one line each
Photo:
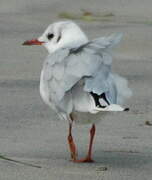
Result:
91,62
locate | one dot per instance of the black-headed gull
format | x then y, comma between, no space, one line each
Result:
76,76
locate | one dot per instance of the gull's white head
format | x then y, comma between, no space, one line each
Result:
63,34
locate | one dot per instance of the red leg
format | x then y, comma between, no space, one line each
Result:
89,155
72,145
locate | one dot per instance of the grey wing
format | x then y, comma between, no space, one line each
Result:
93,62
90,67
107,42
53,72
90,62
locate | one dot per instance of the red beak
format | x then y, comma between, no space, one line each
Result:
33,42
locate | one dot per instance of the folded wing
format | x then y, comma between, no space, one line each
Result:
91,62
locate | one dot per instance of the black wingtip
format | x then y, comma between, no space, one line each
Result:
126,109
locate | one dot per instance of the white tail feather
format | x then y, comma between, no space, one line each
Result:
111,107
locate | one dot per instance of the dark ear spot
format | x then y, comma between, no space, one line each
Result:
59,38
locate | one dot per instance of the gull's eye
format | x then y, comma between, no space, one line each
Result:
50,36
